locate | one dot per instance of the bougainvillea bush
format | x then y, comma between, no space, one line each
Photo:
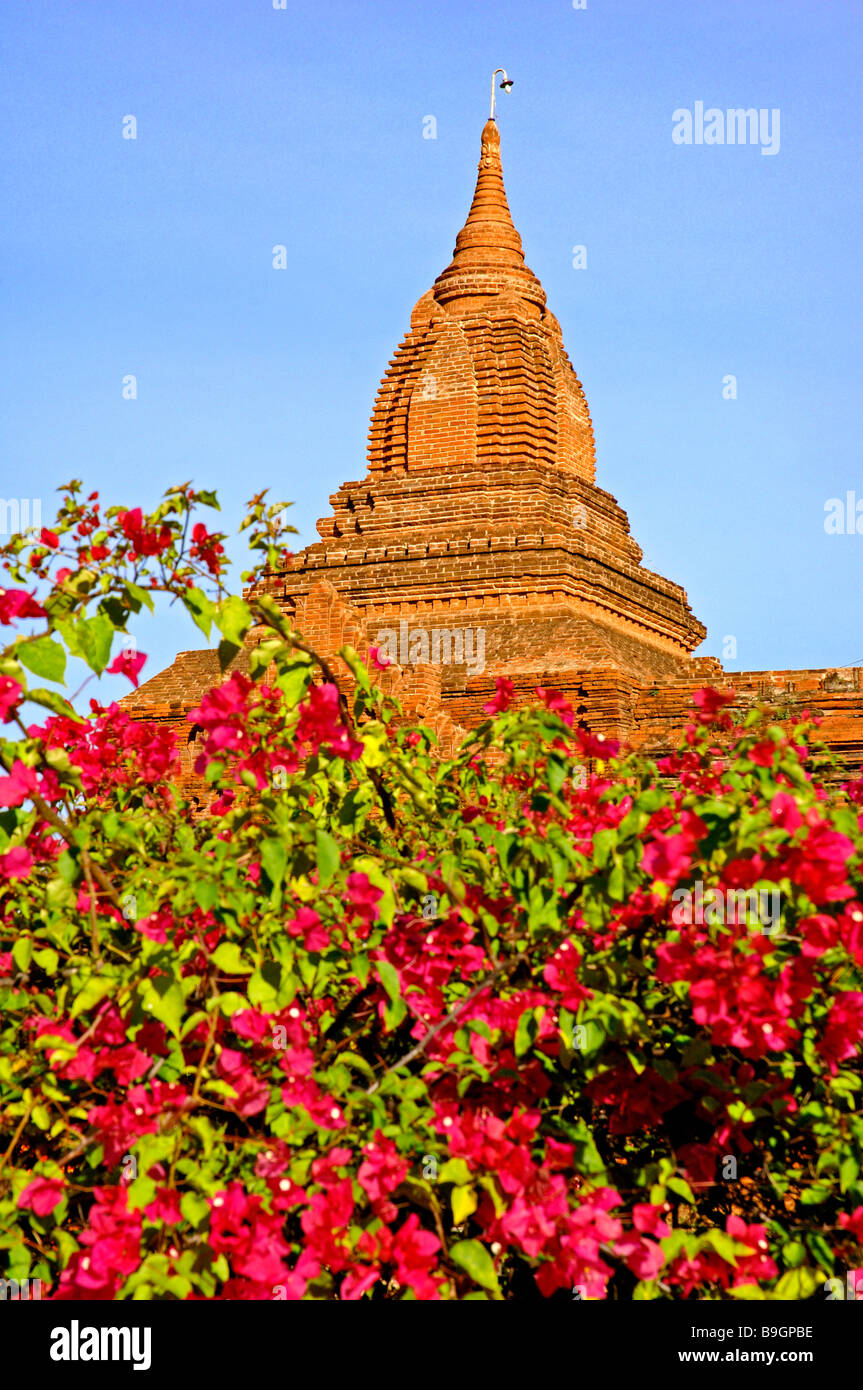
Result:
379,1025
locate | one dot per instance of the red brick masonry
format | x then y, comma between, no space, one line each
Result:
479,513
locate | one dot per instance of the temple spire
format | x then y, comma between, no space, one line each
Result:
488,257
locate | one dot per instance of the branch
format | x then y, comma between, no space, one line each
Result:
451,1017
16,1136
61,827
332,679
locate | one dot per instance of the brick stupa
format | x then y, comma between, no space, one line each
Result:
478,544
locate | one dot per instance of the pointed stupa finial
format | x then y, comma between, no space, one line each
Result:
488,258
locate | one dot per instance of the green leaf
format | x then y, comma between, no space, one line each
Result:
229,957
22,952
263,988
389,979
274,857
814,1196
195,1208
360,965
95,988
375,744
475,1260
604,842
356,667
205,893
796,1284
231,1003
464,1204
44,657
555,772
848,1171
47,960
526,1032
233,618
455,1170
682,1188
200,608
645,1291
165,1000
616,883
141,1192
793,1253
139,597
328,857
227,651
723,1244
95,636
293,680
262,656
55,702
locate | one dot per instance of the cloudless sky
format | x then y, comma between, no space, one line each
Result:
304,126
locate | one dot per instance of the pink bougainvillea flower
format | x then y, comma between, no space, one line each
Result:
380,1173
415,1254
112,1249
42,1195
251,1094
502,698
853,1223
634,1101
17,603
597,745
358,1281
10,696
710,703
16,863
758,1265
785,812
844,1029
308,925
557,703
15,788
819,864
381,662
49,538
144,540
165,1206
128,664
666,858
363,896
155,926
652,1219
320,725
762,754
561,973
207,547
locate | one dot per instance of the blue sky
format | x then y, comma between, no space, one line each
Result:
304,127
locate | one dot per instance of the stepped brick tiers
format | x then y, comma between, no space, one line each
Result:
478,544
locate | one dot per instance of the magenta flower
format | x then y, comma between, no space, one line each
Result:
127,664
42,1195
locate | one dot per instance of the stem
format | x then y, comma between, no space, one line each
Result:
16,1136
94,929
451,1017
332,679
60,826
